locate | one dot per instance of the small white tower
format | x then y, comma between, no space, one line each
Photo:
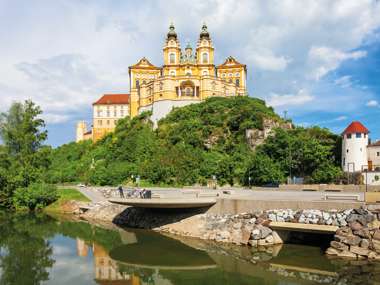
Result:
354,147
81,130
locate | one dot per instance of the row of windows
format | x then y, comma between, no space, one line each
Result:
110,114
172,58
107,122
237,74
357,135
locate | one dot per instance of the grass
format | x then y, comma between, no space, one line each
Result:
66,194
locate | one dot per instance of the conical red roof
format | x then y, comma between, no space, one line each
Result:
355,127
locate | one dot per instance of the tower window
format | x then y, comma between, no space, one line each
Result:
172,58
349,136
237,82
205,72
205,57
358,135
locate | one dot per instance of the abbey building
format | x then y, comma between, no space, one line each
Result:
187,76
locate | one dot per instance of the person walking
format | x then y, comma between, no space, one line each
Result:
121,191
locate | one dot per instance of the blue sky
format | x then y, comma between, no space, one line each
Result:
319,60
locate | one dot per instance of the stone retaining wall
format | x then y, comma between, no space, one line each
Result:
360,239
358,236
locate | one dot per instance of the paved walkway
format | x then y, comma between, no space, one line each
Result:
91,194
269,195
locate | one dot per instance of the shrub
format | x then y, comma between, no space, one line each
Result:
35,197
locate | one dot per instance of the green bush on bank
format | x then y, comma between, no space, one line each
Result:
35,197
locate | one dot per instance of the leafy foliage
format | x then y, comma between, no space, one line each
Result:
35,197
196,142
23,157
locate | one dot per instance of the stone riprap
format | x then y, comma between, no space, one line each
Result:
358,235
360,239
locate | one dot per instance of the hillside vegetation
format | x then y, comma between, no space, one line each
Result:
194,143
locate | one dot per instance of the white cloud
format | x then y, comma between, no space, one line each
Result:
326,59
265,60
50,118
372,103
64,54
344,81
341,118
287,100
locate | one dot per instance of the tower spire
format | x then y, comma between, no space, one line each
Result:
172,33
204,32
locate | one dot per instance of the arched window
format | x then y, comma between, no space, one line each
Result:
172,58
137,83
205,57
237,82
205,72
172,73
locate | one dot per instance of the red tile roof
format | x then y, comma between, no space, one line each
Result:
355,127
112,99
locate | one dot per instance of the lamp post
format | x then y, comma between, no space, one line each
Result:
249,181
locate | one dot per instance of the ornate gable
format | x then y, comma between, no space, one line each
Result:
143,64
231,62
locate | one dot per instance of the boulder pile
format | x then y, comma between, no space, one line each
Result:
333,217
360,239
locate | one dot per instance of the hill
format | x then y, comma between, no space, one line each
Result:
196,142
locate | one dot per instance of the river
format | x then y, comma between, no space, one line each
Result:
39,249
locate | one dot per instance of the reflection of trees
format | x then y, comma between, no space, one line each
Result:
25,254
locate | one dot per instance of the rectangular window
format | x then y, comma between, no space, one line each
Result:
122,113
378,153
349,136
115,113
100,122
358,135
108,122
108,113
99,113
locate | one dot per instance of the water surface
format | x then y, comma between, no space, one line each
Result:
38,249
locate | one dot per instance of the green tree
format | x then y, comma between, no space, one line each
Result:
263,170
25,158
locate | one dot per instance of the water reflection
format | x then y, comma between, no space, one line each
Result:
42,250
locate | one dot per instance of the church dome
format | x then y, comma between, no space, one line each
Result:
172,33
204,33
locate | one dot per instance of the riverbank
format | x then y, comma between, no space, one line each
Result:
69,200
354,233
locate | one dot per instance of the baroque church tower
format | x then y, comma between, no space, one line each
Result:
186,77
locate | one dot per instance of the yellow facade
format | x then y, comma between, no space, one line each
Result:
186,76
